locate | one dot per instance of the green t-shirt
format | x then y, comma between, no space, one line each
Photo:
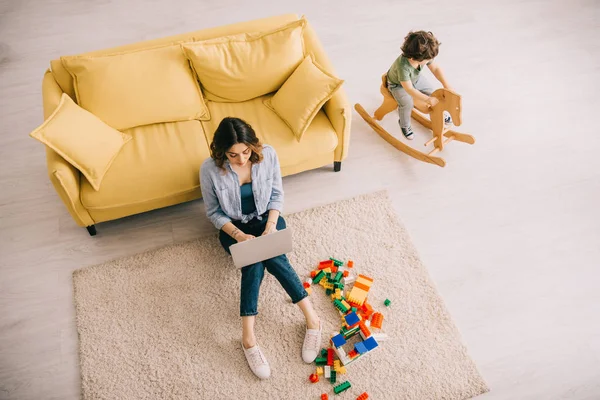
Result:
402,71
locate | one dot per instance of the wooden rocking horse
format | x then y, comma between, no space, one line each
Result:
447,101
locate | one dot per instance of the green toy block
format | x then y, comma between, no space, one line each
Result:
387,302
328,291
321,360
318,277
341,387
323,352
338,304
333,376
336,262
338,277
354,309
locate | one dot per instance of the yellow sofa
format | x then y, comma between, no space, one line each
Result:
159,167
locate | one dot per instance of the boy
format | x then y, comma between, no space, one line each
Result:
404,80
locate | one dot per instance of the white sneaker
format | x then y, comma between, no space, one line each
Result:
312,344
257,361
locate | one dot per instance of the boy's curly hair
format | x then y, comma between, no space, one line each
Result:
420,45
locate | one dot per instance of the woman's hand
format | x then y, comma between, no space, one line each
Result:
270,228
242,237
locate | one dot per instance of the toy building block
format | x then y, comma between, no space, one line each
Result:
350,263
324,396
352,353
364,331
308,290
377,320
323,353
360,348
338,340
336,365
352,319
369,344
345,274
334,269
317,278
321,360
338,277
330,357
387,302
327,270
313,274
363,396
314,378
379,337
327,371
345,303
360,290
332,379
306,285
325,264
349,279
340,306
336,262
320,371
341,387
341,353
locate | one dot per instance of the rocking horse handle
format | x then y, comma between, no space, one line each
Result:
449,100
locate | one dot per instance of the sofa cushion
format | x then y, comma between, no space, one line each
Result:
242,67
319,138
162,160
302,95
82,139
139,87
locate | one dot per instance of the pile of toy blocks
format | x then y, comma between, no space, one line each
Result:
358,320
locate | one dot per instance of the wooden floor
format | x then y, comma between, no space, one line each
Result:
509,230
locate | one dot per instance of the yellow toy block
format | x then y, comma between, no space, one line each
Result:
308,290
346,304
319,370
360,290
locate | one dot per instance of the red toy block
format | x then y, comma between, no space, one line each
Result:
306,285
367,310
313,274
324,396
377,320
346,273
334,269
363,396
326,264
352,353
314,378
330,357
350,263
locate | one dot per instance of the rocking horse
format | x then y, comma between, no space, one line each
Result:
447,101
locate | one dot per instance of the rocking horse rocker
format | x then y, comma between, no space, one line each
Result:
447,101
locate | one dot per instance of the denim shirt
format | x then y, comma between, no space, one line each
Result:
221,189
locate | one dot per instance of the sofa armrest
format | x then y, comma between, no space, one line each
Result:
337,108
64,177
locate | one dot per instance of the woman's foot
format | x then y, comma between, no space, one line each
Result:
312,341
257,361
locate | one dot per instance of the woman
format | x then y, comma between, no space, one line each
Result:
243,195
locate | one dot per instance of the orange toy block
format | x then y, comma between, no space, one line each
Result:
324,396
345,274
313,274
365,331
363,396
314,378
326,264
350,263
377,320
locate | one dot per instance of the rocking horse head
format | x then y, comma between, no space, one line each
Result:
450,101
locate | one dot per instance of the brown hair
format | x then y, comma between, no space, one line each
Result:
232,131
420,45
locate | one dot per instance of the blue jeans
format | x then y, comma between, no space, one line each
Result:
252,275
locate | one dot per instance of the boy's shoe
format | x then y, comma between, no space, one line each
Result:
407,132
257,361
447,118
312,344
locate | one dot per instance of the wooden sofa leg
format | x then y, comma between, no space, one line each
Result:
337,166
91,230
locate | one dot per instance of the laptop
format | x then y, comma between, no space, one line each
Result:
261,248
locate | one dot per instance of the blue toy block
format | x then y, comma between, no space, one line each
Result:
370,343
352,319
338,340
360,347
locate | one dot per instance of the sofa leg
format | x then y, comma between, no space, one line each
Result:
337,166
91,230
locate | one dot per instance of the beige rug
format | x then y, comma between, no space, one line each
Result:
165,324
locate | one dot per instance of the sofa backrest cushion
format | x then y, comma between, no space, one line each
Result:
138,87
242,67
64,80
